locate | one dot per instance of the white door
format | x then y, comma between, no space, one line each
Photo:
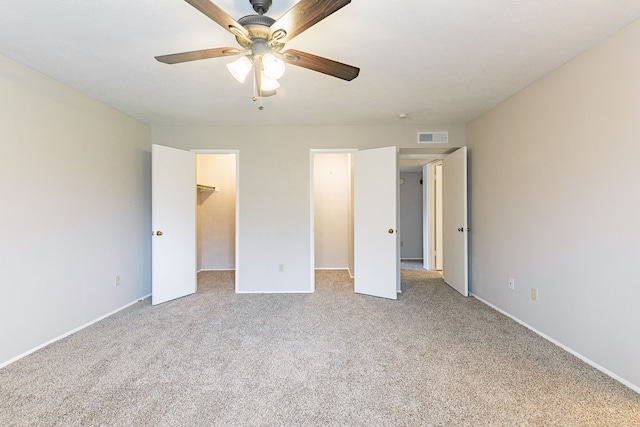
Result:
376,248
173,221
455,269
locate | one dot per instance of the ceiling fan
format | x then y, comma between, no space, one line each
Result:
262,39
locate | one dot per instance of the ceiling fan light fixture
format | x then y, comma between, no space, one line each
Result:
273,67
268,84
262,38
240,68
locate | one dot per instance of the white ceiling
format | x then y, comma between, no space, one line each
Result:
438,61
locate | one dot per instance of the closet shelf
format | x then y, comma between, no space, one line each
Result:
207,189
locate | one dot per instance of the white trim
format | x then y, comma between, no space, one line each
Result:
332,268
213,151
73,331
428,211
312,223
215,269
430,158
333,150
562,346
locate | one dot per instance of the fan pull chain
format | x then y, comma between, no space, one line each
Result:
257,95
255,89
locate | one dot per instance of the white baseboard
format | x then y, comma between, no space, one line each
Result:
562,346
215,269
66,334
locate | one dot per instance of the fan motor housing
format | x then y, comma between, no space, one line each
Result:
261,20
258,28
261,6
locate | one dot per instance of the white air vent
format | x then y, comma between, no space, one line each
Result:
433,137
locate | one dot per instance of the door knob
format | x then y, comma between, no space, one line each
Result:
391,231
159,233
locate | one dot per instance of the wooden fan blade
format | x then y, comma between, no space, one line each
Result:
220,16
302,16
176,58
320,64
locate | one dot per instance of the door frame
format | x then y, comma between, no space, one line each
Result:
428,198
312,153
197,151
430,214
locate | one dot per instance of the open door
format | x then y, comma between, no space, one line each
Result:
376,249
173,221
455,270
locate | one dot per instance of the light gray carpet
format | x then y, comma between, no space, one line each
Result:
412,264
329,358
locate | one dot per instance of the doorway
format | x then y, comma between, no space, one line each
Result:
369,187
445,209
175,202
216,213
421,211
411,217
332,210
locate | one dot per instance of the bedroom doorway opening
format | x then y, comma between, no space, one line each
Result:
216,211
332,211
421,214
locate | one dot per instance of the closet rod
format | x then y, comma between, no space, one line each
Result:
206,188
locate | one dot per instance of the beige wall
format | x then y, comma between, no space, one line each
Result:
274,189
555,202
75,185
411,215
332,197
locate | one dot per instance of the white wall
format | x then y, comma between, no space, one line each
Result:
411,215
274,180
332,197
75,185
555,202
216,212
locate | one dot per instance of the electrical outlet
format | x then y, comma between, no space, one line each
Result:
281,268
534,294
512,283
118,280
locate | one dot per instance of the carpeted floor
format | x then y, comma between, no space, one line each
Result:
330,358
